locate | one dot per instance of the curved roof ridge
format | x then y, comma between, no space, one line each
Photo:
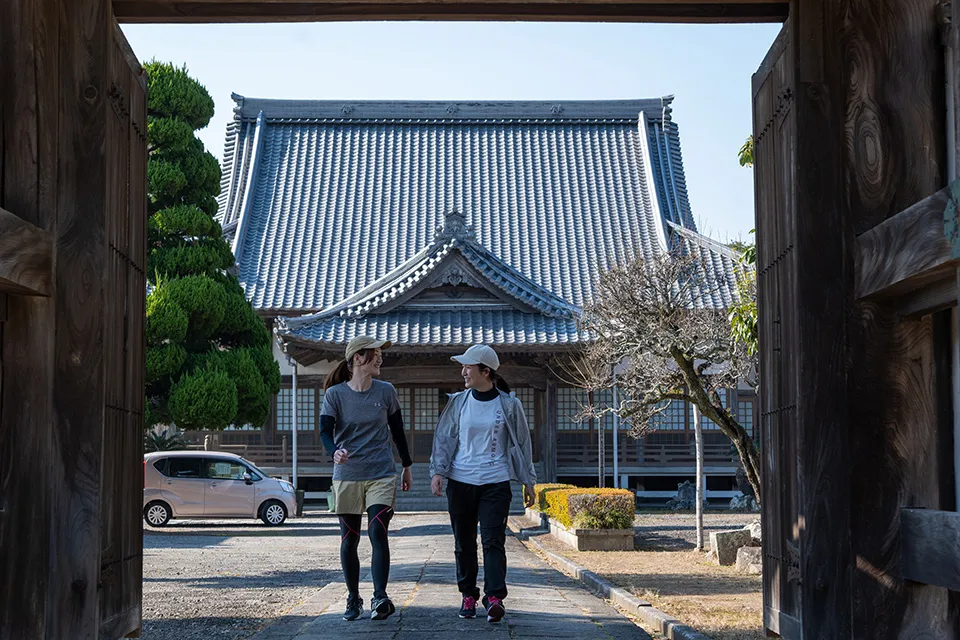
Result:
346,109
705,241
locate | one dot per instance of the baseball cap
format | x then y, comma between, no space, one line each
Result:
365,342
479,354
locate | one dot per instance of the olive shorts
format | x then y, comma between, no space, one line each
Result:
354,496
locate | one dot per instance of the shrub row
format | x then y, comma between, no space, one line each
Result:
541,490
591,508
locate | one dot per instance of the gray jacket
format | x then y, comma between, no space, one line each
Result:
447,437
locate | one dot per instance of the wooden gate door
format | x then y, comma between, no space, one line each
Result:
121,488
774,134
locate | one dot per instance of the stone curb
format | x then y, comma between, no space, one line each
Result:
666,624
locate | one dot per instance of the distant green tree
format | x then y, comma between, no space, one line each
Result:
744,320
743,316
746,152
209,357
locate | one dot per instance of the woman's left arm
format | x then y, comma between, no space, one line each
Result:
395,422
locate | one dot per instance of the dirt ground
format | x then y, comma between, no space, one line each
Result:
665,570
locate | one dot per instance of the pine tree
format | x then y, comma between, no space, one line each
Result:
209,357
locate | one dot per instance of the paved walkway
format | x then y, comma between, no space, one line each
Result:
543,603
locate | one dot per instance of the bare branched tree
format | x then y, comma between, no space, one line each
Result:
655,321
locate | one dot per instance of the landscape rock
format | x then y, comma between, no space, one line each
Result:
724,545
756,531
686,498
750,560
744,503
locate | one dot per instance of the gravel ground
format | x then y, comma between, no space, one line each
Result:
668,531
224,580
665,570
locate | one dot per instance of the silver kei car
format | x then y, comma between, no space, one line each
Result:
211,485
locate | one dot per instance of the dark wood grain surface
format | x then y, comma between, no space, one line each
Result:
543,11
29,103
892,161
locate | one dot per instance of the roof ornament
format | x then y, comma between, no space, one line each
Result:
455,226
346,109
453,108
667,110
556,109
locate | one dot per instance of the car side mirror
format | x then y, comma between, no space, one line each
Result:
248,478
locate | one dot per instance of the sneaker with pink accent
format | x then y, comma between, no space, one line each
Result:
494,607
468,608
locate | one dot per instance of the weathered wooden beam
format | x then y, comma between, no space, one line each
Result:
76,383
930,547
905,252
818,338
933,297
26,257
703,11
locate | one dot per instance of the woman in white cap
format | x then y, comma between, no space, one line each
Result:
358,417
481,443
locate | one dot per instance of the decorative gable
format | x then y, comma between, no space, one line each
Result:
453,273
455,282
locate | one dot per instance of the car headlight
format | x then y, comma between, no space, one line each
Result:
286,486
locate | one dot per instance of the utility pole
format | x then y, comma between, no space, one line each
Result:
698,434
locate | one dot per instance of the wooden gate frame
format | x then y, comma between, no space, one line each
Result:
857,259
73,167
868,156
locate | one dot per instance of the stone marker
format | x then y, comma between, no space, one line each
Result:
724,545
750,560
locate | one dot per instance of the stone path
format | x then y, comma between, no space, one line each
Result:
542,604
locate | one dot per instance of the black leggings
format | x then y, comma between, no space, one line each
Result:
378,523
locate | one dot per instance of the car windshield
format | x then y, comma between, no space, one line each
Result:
262,473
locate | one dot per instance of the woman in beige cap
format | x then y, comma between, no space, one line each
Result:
358,417
482,442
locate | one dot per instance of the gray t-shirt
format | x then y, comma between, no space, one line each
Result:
362,429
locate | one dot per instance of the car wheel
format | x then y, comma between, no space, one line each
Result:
273,513
157,514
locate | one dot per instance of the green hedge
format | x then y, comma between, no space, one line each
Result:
541,490
591,508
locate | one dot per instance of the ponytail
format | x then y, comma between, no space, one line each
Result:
496,379
338,375
500,382
344,371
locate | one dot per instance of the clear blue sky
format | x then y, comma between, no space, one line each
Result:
707,67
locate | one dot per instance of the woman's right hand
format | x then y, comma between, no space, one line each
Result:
340,456
436,485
